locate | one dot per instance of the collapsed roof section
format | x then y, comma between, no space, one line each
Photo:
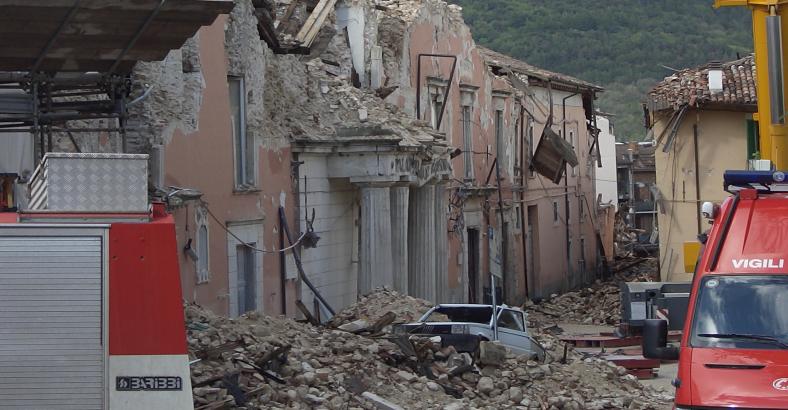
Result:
97,35
535,74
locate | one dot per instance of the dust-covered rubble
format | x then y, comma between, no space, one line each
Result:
258,362
598,304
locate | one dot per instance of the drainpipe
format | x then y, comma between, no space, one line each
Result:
566,195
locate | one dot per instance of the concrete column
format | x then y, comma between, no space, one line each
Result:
399,236
376,264
441,244
421,243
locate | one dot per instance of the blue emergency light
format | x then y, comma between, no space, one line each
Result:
753,179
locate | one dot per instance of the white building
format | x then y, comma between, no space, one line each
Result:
606,182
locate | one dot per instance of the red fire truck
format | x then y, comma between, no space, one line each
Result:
734,349
91,312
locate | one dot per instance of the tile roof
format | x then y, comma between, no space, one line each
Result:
524,68
691,86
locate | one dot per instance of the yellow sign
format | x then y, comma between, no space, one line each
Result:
691,253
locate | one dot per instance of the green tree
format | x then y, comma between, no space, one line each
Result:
626,46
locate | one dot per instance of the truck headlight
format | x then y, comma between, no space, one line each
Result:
460,329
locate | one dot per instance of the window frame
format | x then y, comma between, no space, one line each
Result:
467,138
244,154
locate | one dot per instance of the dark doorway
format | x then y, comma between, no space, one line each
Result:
533,251
473,264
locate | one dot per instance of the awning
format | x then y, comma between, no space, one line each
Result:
97,35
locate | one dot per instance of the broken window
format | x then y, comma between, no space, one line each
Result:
510,319
243,144
472,314
437,89
467,139
436,107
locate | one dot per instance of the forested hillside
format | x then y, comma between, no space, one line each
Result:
622,45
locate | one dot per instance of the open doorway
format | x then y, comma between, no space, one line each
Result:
473,264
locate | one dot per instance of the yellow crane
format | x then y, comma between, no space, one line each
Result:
769,34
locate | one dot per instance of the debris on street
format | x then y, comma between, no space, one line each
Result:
257,362
598,304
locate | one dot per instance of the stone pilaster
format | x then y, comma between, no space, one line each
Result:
421,243
441,244
375,253
399,236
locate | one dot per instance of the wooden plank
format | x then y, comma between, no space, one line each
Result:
310,21
313,32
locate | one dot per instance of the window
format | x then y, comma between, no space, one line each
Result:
718,323
581,211
511,319
467,141
247,278
436,107
500,144
574,144
244,146
555,211
753,148
202,254
518,148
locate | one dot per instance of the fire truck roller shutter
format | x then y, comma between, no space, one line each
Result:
51,319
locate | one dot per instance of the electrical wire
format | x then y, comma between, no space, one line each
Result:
242,242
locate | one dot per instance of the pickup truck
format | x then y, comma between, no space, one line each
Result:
734,349
465,325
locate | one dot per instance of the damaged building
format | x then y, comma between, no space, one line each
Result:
377,144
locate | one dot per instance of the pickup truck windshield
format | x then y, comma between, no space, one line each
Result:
741,312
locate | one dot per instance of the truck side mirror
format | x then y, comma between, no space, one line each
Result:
655,341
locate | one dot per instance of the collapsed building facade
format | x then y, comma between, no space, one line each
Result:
377,143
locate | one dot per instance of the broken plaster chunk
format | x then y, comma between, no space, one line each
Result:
492,353
363,115
379,402
406,376
355,326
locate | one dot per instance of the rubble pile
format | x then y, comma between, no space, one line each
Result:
598,304
258,362
372,307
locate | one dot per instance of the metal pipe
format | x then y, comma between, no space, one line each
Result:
697,176
141,97
523,231
502,234
282,263
445,93
775,68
